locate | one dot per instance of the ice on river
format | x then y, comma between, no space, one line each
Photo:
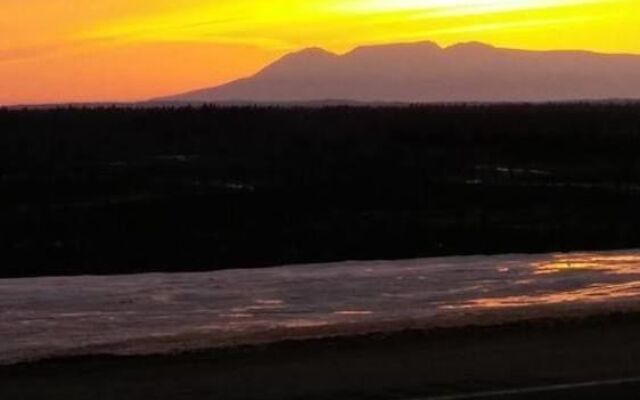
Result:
159,313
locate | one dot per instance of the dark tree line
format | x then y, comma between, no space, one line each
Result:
115,190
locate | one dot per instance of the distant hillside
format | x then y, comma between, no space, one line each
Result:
425,72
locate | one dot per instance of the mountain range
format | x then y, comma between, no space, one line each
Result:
424,72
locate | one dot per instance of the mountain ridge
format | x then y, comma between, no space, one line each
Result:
424,72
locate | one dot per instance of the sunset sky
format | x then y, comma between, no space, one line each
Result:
99,50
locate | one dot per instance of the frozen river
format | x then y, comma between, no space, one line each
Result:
159,313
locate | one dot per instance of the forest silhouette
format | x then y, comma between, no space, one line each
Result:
121,190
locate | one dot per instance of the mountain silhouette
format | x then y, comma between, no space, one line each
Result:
426,72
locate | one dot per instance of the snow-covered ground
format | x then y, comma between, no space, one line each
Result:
159,313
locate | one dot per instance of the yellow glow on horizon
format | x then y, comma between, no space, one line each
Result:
82,49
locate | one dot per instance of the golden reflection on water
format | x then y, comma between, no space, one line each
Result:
593,293
618,282
613,264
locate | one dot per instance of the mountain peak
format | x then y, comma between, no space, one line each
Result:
308,55
313,58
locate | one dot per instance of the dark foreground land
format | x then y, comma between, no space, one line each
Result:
600,354
88,191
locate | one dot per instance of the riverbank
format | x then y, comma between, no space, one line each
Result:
375,366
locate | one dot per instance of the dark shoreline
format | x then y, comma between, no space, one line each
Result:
376,366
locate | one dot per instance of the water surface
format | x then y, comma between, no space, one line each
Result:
151,313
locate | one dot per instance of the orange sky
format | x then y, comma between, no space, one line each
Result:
100,50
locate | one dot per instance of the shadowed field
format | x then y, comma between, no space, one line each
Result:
400,366
101,191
